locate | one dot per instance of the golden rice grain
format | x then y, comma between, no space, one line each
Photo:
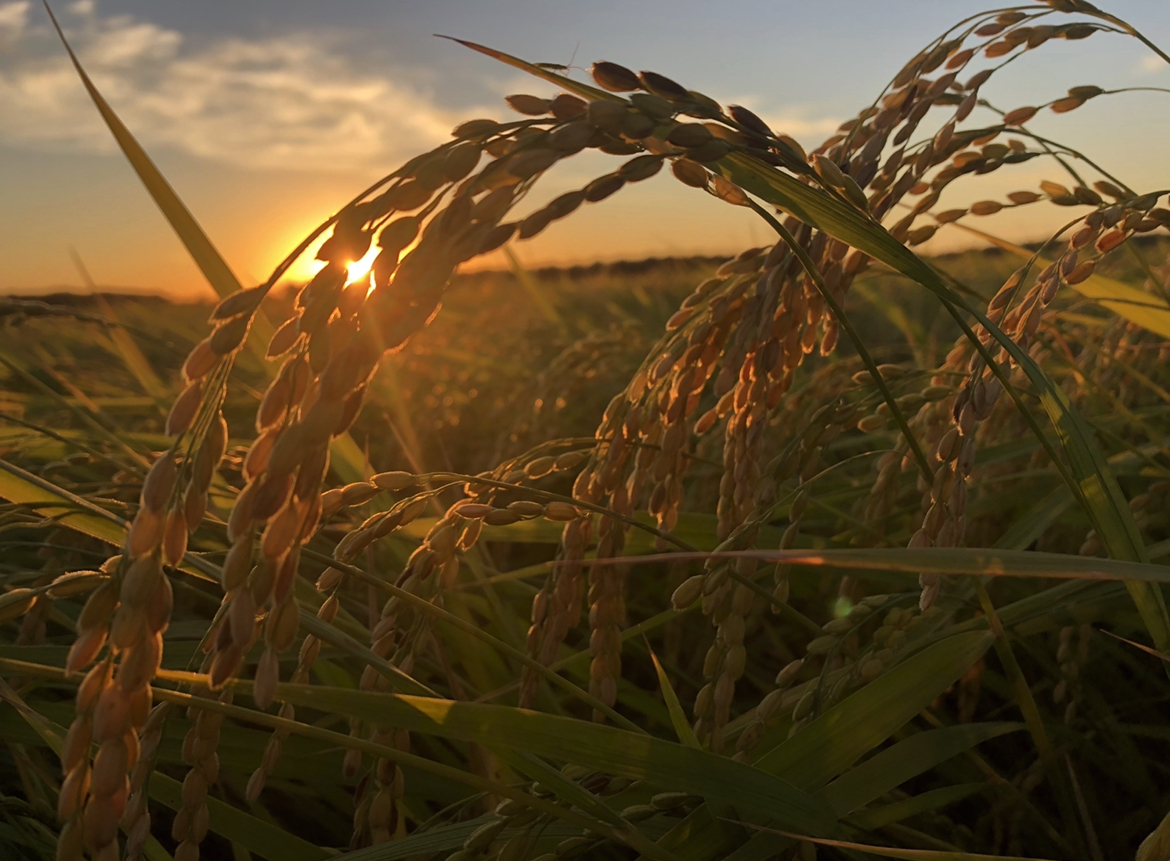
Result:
615,78
358,493
603,187
571,137
568,107
637,126
655,107
501,517
1023,197
174,542
639,168
749,120
1111,240
530,105
240,302
607,115
73,791
475,128
1081,272
561,511
228,335
690,173
986,207
660,85
526,508
15,603
199,361
184,408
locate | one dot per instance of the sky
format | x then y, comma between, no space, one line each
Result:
268,115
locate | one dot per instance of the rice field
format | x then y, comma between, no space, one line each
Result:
823,549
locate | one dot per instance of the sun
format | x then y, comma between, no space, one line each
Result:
359,269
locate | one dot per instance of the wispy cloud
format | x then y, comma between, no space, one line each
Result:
13,20
295,101
795,122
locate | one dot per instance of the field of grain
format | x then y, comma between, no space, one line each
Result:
825,549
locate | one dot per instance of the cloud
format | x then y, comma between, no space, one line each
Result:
296,101
13,20
810,132
794,122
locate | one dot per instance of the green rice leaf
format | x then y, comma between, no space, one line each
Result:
980,561
67,509
840,736
199,246
1144,309
608,749
906,759
678,717
879,817
893,852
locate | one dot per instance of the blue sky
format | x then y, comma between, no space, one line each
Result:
267,115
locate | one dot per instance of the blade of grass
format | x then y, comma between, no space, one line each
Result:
840,736
336,739
908,758
609,749
892,852
127,348
476,631
24,488
678,717
923,802
1146,310
1087,474
988,562
15,364
567,790
221,278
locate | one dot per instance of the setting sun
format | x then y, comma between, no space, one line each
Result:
361,268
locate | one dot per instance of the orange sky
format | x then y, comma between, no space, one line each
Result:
265,128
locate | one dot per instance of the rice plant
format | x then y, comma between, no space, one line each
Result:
835,550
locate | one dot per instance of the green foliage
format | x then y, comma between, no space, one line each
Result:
443,700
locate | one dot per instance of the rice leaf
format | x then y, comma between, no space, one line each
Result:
67,509
608,749
892,852
678,718
908,758
879,817
836,739
199,246
988,562
862,721
1145,309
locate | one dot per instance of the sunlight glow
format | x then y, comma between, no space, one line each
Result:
361,268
